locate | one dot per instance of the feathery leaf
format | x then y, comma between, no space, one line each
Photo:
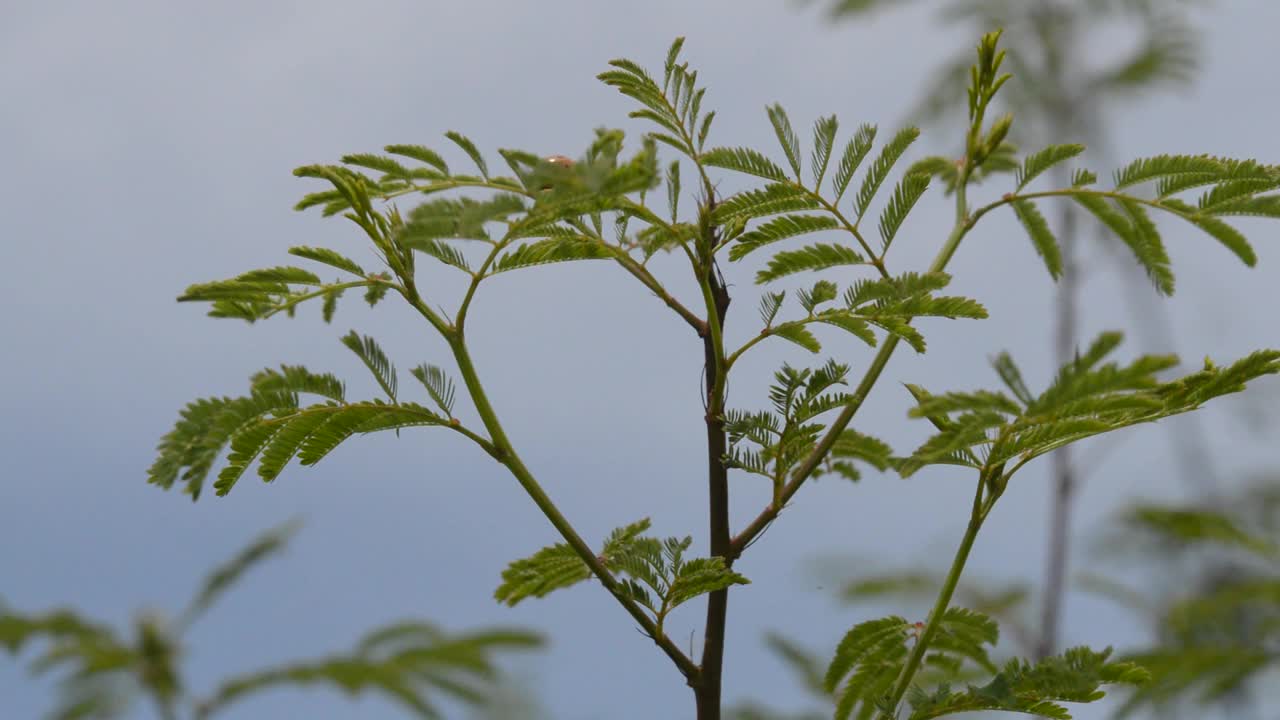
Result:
744,160
854,153
879,169
772,199
367,349
786,136
798,334
469,148
552,250
904,199
820,256
779,228
439,385
328,257
1041,236
1038,162
421,154
824,139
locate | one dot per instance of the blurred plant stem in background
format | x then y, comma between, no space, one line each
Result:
1060,91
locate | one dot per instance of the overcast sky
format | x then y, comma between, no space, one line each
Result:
148,145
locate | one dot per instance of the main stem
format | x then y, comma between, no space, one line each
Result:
707,692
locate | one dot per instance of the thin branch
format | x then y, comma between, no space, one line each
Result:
963,223
508,457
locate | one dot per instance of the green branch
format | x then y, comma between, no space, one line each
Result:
820,451
506,454
976,516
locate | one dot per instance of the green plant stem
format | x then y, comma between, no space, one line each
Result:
1009,198
832,208
508,457
963,224
977,515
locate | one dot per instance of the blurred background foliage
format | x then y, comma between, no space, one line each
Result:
107,672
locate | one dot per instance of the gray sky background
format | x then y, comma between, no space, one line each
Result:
148,145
